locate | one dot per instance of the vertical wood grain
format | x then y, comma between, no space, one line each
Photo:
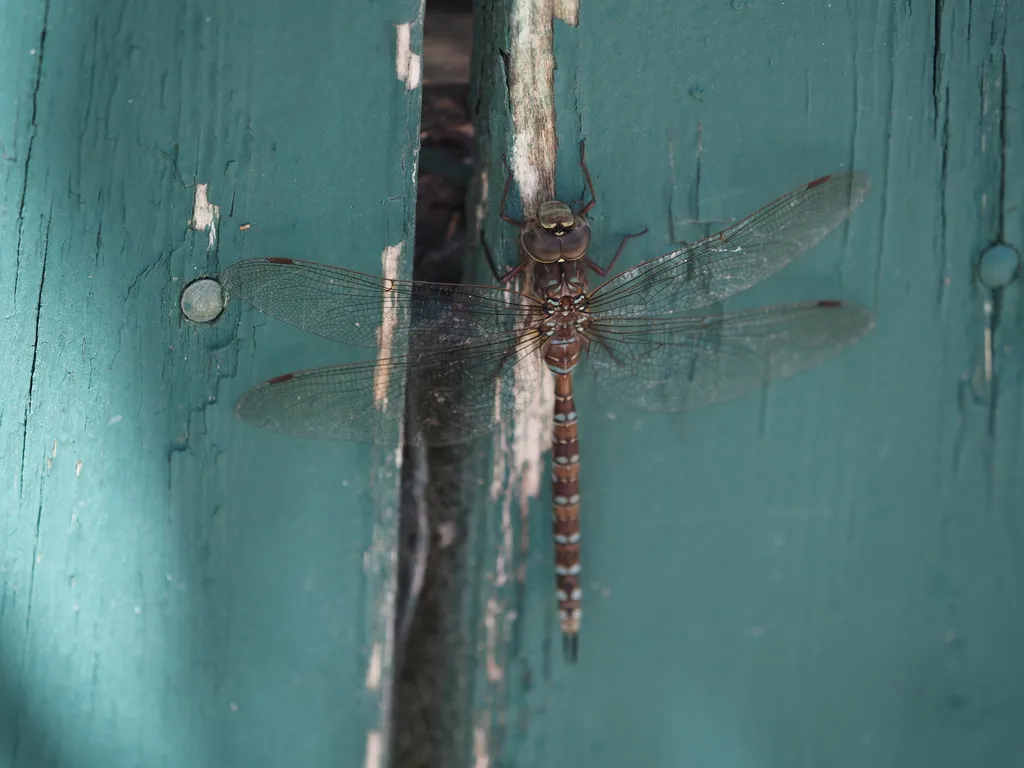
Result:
826,572
177,588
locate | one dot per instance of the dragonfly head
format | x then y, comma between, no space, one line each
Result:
557,234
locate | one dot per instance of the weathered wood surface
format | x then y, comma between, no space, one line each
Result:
824,573
828,572
177,588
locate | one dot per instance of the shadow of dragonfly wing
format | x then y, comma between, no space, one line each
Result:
459,393
676,364
733,260
372,311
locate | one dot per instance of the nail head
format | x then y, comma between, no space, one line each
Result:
998,265
202,300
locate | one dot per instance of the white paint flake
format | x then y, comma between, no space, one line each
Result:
204,214
390,260
408,65
498,479
492,626
481,758
374,750
484,199
533,430
568,11
373,669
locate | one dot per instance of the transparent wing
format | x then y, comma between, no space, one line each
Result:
373,311
722,265
675,364
458,394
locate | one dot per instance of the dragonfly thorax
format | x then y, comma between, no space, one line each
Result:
556,234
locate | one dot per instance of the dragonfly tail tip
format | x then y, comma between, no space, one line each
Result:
571,647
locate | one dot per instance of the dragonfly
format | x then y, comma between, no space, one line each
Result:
467,355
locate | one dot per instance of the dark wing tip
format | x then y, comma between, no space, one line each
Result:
279,379
857,320
859,184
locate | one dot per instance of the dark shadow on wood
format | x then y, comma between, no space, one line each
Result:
434,642
24,738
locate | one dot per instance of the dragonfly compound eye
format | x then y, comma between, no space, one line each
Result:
552,237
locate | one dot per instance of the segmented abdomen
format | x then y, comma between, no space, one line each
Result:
565,480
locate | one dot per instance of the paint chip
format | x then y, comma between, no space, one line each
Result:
481,757
374,751
204,214
390,259
408,65
373,669
568,11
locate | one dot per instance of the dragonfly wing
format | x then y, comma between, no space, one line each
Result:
722,265
459,393
680,363
363,309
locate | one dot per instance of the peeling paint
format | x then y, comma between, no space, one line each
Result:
373,669
531,75
533,430
495,672
568,11
408,65
381,559
481,759
498,478
484,198
503,563
204,214
390,259
374,750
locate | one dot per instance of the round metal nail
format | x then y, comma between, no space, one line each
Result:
203,300
999,265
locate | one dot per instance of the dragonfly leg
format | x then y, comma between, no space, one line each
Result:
604,344
586,175
502,279
504,197
602,271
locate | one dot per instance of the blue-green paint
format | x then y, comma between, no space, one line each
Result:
179,589
827,572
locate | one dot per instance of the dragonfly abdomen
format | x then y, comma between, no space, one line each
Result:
565,481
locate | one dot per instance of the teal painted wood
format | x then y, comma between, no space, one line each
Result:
178,588
828,572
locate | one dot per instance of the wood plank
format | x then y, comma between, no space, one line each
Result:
825,573
178,588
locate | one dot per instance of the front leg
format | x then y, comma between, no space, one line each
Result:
602,271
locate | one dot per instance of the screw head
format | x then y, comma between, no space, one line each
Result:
999,265
202,300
